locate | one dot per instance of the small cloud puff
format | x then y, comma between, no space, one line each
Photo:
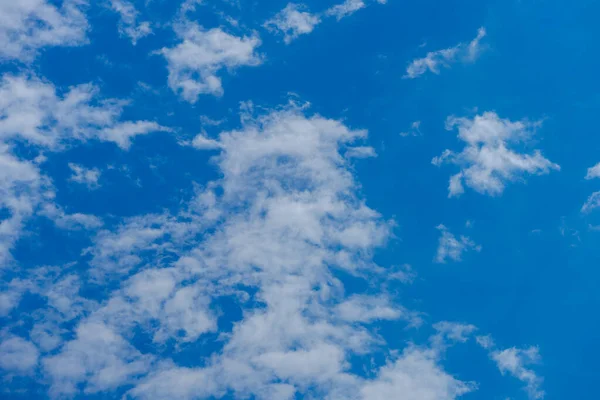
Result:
451,247
292,21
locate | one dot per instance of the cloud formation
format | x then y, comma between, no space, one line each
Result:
451,247
27,26
295,19
435,60
490,158
128,21
195,62
515,362
292,22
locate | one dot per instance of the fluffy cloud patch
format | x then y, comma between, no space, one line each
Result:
451,247
292,22
282,219
515,362
195,62
488,162
417,375
435,60
85,176
593,172
128,24
17,356
27,26
33,111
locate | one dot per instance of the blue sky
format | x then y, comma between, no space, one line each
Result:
358,199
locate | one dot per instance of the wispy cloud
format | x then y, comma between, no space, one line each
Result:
451,247
435,60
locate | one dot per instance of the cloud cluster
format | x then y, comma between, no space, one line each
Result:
27,26
273,235
490,158
195,62
128,24
31,110
270,235
295,19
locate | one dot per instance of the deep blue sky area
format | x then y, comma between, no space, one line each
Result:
254,241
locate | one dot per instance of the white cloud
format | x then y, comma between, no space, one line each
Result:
593,172
591,203
287,211
17,356
415,130
27,26
85,176
9,299
98,357
295,20
69,221
31,110
485,341
451,247
348,7
128,24
22,189
201,142
367,309
487,162
292,22
515,361
361,152
195,62
271,234
435,60
416,376
454,331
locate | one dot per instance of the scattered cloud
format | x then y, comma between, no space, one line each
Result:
591,203
33,111
415,130
27,26
292,22
345,9
17,356
593,172
286,213
128,24
361,152
487,162
202,142
417,375
195,62
435,60
515,362
451,247
295,19
85,176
